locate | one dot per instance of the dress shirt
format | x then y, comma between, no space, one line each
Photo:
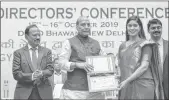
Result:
58,78
160,46
30,51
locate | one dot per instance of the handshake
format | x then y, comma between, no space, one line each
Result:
36,76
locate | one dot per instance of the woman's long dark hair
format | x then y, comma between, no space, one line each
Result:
141,34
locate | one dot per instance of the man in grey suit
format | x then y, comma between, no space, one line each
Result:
155,30
32,65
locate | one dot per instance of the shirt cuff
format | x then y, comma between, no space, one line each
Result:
42,73
32,76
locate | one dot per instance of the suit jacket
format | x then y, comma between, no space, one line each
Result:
165,49
23,69
165,69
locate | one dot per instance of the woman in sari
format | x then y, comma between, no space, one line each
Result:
138,62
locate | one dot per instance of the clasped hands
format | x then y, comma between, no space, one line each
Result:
37,74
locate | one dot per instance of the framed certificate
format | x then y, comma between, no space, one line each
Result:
102,63
103,78
104,81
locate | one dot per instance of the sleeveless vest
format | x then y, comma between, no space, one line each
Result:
77,79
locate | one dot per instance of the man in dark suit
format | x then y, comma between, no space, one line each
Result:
165,78
155,30
32,65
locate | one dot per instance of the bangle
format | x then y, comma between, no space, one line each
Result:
75,65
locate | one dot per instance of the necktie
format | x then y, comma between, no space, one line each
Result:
160,63
34,58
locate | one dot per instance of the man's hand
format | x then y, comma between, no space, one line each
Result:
85,66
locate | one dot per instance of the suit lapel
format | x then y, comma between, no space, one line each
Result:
165,49
27,55
40,55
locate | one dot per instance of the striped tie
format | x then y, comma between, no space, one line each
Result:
160,63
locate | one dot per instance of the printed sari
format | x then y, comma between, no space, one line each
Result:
149,84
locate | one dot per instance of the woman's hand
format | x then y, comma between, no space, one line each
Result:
123,84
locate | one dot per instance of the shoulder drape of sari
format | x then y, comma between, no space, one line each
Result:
159,92
154,67
128,63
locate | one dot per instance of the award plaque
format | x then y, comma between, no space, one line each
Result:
103,77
